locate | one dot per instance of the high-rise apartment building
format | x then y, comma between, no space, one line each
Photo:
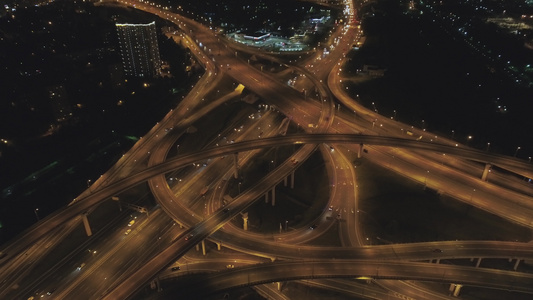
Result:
139,49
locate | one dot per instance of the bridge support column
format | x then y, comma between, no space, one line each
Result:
457,290
115,198
273,259
437,261
452,287
285,180
279,285
292,180
274,196
486,172
158,284
203,247
197,247
88,230
245,221
359,152
516,264
478,262
266,197
236,165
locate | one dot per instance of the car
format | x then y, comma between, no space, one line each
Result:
131,223
127,232
176,268
81,266
313,226
436,250
50,292
189,237
230,266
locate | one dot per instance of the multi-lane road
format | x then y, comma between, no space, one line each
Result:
332,127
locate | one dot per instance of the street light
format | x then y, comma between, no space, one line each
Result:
488,146
468,140
36,213
516,152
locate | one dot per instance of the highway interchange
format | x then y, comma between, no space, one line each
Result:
347,129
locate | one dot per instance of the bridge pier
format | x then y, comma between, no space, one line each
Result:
115,198
245,221
236,165
457,290
158,284
88,230
279,285
292,180
452,287
203,247
218,246
360,150
266,197
273,259
478,262
274,196
486,172
516,264
437,261
286,179
197,247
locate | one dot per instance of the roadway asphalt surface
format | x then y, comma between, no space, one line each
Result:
320,113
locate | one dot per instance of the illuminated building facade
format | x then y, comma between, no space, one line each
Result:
139,49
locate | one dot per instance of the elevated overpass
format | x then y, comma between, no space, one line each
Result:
81,205
205,284
212,224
